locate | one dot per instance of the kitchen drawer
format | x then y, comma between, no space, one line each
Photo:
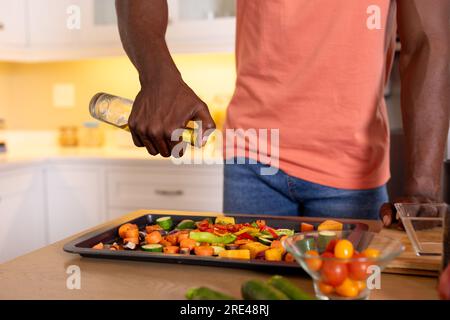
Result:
171,187
16,181
22,212
75,199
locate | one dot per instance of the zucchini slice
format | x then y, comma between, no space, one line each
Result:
152,247
165,222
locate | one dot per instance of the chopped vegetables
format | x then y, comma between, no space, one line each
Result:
235,254
165,223
217,250
220,236
188,243
171,249
211,238
99,246
278,245
255,248
325,237
330,225
204,251
224,220
186,224
274,254
152,247
284,232
154,237
124,228
305,227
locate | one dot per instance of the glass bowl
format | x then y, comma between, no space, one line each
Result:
424,224
337,272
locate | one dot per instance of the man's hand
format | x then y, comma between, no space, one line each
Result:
160,108
165,102
388,213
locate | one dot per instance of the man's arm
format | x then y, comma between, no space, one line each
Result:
165,102
424,29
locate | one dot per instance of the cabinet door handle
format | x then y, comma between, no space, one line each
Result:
169,193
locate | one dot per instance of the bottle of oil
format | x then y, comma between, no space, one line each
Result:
116,110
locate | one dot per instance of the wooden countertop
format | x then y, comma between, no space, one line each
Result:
42,275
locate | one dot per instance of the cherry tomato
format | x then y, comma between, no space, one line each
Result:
331,245
327,255
343,249
361,285
314,264
371,253
334,272
325,288
358,269
347,289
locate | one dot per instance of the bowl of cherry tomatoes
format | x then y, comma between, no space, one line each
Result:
343,264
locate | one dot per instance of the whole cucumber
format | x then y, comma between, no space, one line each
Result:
258,290
203,293
288,288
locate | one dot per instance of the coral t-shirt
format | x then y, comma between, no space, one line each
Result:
316,70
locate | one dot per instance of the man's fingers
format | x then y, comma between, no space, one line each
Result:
387,213
136,140
208,124
150,147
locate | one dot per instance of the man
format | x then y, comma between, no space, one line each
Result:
314,70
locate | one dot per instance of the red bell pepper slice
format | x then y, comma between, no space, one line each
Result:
245,235
270,230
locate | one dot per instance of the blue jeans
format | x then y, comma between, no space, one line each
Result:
247,191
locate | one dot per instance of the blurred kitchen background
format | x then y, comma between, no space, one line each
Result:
60,171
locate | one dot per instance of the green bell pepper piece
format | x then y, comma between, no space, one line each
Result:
209,237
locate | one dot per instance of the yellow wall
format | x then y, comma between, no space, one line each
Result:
26,89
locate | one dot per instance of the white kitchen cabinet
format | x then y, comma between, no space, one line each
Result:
58,26
75,199
22,212
168,186
44,30
201,25
13,24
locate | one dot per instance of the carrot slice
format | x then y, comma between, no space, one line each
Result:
305,227
98,246
188,243
182,236
150,229
124,228
289,257
132,233
172,238
204,251
171,249
165,243
152,238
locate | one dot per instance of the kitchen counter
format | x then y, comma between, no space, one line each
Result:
41,147
42,275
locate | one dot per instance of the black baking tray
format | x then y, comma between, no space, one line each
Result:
108,234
